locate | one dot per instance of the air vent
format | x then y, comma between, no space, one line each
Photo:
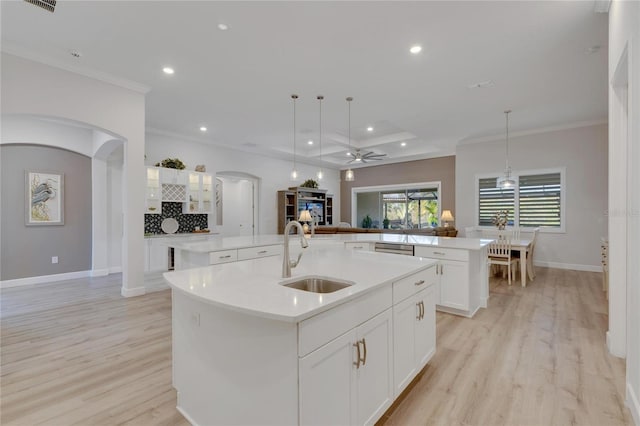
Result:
49,5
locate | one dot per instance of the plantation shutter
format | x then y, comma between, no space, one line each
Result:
493,200
540,200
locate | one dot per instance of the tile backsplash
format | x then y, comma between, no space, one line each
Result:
186,222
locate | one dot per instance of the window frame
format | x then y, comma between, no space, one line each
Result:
516,197
400,186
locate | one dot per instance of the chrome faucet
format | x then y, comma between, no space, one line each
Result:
287,264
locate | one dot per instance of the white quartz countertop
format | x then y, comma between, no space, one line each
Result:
253,286
228,243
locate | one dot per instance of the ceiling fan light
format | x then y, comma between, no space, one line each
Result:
349,175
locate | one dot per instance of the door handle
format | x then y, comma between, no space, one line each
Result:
364,344
357,363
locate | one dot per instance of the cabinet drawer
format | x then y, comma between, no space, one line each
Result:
442,253
223,256
412,284
322,328
255,252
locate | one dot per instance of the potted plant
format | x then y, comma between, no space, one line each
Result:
309,183
366,222
385,223
171,163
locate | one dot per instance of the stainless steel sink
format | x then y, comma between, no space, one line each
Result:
318,284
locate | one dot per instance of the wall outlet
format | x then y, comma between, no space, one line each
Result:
54,259
195,319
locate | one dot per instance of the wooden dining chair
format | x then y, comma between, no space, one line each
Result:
500,254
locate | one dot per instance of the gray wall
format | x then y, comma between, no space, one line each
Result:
27,250
583,152
442,169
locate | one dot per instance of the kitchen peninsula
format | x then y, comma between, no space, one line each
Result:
249,350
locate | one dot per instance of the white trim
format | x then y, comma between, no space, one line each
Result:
570,266
14,49
42,279
633,403
115,270
568,126
132,292
99,272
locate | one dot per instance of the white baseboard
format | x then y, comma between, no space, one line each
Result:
634,404
99,272
115,269
44,279
571,266
132,292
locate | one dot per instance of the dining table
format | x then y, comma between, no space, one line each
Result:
523,246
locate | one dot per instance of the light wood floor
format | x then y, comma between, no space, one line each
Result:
75,352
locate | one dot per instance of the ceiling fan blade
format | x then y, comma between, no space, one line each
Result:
373,155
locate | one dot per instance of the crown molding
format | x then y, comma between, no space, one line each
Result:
15,50
568,126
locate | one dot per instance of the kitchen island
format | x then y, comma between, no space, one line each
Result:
461,274
249,350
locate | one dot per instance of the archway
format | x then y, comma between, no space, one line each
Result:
237,201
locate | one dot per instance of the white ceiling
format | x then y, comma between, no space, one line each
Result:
238,82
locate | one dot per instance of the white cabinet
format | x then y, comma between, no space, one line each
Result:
456,272
199,193
153,194
454,284
173,176
349,380
414,326
156,255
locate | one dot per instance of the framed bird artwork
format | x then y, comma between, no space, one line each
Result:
44,198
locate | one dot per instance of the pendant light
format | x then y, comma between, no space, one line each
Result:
506,181
320,173
349,175
294,172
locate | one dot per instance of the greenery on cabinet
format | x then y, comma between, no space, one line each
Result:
367,221
172,163
309,183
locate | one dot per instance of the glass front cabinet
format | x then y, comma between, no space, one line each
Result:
199,194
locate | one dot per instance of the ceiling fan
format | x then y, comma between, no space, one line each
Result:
359,157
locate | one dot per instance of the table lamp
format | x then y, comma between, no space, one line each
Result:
447,217
305,216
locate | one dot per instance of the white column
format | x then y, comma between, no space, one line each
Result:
99,226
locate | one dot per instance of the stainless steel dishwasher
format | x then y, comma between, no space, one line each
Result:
404,249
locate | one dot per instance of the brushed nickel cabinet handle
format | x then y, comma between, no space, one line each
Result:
357,247
225,257
364,343
440,253
419,282
357,345
262,252
441,269
419,311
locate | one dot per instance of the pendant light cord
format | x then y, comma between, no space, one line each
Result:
294,97
506,113
320,98
349,99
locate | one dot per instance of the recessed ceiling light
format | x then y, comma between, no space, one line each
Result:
403,144
310,142
415,49
223,27
348,154
203,129
76,54
168,70
369,129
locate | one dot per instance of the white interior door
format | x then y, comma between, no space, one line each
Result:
238,206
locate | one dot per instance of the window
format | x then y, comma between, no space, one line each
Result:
536,202
405,206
